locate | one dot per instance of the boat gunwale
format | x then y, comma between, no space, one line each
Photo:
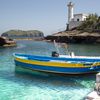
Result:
45,58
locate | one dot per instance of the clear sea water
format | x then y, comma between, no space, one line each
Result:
43,86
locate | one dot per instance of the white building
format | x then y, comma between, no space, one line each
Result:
74,20
80,17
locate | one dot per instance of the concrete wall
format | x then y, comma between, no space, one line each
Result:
74,24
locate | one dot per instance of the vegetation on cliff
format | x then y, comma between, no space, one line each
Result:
14,34
91,24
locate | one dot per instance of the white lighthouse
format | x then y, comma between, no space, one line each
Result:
70,11
74,20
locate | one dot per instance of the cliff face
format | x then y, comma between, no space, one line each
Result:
7,42
19,34
75,37
2,41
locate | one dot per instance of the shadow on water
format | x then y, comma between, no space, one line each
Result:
56,81
48,79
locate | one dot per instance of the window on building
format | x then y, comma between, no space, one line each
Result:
78,19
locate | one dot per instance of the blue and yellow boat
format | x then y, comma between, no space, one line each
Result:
61,64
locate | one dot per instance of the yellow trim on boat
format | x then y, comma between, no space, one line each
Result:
53,64
96,64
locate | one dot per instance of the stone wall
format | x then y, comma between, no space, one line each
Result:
74,24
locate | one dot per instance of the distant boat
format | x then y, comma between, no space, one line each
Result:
61,64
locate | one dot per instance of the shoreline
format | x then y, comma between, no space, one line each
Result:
29,39
74,37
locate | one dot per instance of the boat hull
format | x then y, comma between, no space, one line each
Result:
23,70
55,66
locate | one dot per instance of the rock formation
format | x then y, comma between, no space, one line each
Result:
19,34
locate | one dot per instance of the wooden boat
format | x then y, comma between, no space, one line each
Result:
62,64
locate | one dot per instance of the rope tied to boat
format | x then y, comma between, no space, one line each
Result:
95,64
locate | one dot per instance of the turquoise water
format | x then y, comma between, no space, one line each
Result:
43,86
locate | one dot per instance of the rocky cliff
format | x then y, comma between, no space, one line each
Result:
75,36
7,42
19,34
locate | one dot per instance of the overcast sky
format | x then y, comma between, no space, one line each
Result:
48,16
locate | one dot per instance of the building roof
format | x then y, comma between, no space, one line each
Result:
81,14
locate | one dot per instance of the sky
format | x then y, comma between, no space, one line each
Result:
48,16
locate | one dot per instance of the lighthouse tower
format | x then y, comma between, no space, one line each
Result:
74,20
70,11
